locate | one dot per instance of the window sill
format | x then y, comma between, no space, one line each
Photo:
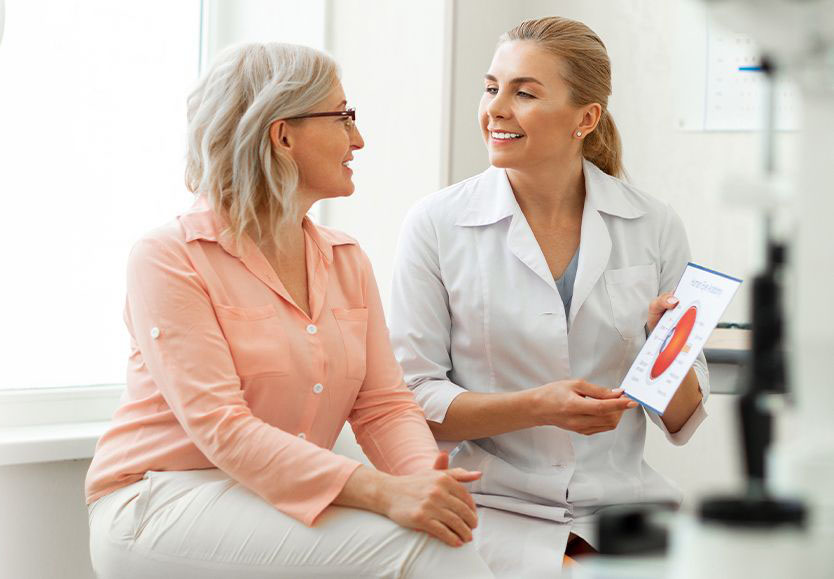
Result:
31,407
49,442
54,424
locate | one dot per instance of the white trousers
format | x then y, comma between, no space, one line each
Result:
202,524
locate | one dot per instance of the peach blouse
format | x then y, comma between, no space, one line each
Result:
226,371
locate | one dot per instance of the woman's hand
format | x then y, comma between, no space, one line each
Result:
658,307
434,501
579,406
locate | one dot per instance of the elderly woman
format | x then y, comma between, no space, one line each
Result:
521,297
254,335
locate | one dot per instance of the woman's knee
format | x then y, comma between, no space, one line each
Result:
436,559
404,552
355,542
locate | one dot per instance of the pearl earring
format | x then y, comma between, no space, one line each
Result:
578,133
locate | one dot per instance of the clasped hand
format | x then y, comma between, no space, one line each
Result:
435,501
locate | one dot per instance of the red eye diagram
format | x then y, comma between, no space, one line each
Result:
674,342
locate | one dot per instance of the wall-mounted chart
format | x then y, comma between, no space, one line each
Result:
718,77
679,336
735,91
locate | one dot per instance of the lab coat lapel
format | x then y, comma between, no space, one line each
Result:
522,243
594,251
520,239
491,201
594,241
603,194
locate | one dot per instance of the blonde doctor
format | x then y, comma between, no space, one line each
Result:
522,295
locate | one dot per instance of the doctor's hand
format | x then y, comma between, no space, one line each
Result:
658,307
578,406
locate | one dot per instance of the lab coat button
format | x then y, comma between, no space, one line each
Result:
318,388
312,329
154,332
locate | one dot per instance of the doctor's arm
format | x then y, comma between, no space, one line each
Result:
421,331
573,405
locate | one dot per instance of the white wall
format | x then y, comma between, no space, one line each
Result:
229,22
43,521
393,71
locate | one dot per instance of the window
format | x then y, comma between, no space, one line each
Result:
92,110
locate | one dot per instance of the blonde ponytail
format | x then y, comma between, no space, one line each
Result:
603,147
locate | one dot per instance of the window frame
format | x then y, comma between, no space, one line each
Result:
38,409
43,408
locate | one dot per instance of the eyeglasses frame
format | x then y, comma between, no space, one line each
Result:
348,113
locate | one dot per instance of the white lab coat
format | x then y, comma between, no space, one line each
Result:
475,308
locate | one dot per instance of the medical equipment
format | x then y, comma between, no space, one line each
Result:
784,525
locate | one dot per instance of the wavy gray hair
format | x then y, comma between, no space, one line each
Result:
230,157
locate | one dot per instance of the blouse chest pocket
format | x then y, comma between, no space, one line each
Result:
256,339
630,290
353,325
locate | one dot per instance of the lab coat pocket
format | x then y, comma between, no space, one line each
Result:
256,339
630,290
353,324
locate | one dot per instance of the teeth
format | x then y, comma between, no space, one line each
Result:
346,163
496,135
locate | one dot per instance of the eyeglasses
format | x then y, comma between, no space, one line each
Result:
349,116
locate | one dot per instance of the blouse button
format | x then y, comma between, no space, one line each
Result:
318,388
154,332
312,329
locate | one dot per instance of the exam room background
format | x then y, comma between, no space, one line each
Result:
414,71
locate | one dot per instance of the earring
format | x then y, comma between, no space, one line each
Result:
578,133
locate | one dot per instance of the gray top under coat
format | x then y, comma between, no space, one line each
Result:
565,283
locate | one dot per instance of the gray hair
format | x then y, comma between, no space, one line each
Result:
230,157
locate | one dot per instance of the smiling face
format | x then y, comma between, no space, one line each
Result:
322,148
526,116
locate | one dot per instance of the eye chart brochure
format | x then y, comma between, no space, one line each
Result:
679,336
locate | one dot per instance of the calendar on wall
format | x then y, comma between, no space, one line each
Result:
736,86
718,78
